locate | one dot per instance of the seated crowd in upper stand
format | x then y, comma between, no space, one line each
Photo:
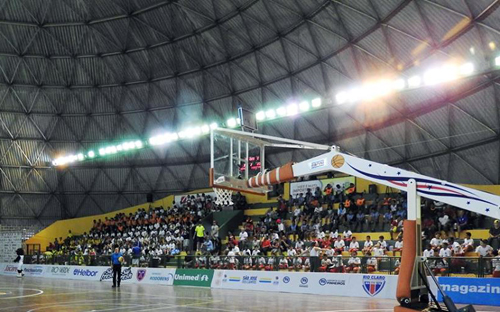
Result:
287,233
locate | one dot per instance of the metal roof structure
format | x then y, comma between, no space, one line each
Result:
77,74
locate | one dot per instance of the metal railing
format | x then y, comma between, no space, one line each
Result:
455,266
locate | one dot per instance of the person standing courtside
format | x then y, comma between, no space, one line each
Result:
117,267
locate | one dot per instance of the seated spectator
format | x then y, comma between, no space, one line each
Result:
360,203
371,263
382,243
444,223
398,246
373,220
326,264
339,244
428,252
337,263
368,245
437,264
456,248
484,250
468,244
353,264
354,245
462,221
436,241
360,221
495,263
494,235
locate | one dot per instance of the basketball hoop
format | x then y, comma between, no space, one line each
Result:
223,196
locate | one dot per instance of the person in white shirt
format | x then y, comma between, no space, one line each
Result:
231,260
378,251
347,234
445,252
326,264
368,245
339,244
484,250
371,263
243,235
353,264
382,243
428,252
436,241
456,248
283,263
398,246
354,245
444,223
281,226
495,263
468,244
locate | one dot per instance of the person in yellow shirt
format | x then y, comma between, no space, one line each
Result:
199,233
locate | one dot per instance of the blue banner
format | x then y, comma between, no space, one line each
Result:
480,291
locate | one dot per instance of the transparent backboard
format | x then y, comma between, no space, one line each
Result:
234,159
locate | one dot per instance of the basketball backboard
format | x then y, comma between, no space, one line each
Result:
237,156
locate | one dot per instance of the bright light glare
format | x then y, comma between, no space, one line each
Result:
355,95
231,123
138,144
80,157
91,154
214,126
270,114
182,134
281,111
205,129
292,109
414,82
497,61
304,106
260,115
399,84
316,102
467,69
442,74
102,151
342,97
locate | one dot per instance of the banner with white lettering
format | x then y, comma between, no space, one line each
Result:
483,291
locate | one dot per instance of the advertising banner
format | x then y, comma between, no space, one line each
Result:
301,187
483,291
153,276
58,271
337,284
189,277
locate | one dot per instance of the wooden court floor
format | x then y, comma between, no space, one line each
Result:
38,294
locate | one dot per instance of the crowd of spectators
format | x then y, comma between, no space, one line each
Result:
155,232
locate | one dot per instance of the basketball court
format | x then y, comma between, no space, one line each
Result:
35,294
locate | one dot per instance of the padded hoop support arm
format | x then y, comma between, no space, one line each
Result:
275,176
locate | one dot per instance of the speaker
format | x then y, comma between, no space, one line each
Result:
372,189
149,197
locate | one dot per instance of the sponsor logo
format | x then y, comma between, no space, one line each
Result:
318,163
304,282
158,277
373,284
58,270
249,279
82,272
190,277
325,281
469,289
126,274
10,268
235,279
286,279
141,273
36,270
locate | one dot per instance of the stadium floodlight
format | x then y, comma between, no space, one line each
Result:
102,151
138,144
292,109
205,129
231,123
182,134
91,154
467,69
355,95
342,97
270,114
281,111
497,61
119,147
414,81
260,116
304,106
80,157
214,125
316,102
174,136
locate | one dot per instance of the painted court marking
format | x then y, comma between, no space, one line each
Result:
38,292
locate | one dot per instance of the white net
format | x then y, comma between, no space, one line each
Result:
223,197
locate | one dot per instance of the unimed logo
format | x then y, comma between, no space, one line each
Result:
197,277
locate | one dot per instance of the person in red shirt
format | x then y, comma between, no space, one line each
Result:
266,245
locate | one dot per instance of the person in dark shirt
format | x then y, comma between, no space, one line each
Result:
494,238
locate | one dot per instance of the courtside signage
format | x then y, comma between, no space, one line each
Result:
187,277
484,291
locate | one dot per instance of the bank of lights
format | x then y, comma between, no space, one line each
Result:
384,87
156,140
291,109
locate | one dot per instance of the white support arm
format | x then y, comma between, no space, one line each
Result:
453,194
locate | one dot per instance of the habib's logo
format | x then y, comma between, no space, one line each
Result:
125,274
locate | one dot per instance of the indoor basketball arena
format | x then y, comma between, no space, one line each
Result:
250,155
